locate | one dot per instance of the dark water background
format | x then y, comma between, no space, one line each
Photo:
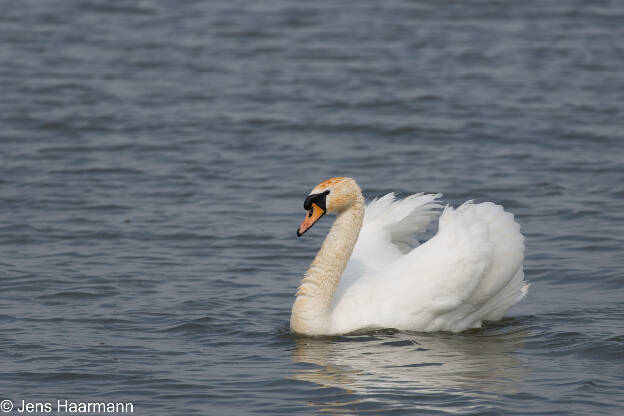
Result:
154,157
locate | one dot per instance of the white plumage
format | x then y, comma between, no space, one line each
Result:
469,271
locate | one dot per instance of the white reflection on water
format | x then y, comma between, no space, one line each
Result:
374,369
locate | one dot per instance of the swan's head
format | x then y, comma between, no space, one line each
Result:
331,196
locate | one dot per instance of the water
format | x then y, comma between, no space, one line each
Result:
154,161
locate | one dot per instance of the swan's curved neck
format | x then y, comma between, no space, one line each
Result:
311,311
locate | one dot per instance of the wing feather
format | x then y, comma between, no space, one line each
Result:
387,232
469,271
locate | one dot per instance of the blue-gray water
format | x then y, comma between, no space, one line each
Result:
154,161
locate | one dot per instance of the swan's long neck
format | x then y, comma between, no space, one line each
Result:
311,311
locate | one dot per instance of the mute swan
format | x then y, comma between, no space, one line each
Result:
368,275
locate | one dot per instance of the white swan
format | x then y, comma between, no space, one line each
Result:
368,274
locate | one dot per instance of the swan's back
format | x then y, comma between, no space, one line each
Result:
470,271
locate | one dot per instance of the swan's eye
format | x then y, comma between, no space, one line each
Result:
310,212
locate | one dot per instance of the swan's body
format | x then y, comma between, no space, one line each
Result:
369,273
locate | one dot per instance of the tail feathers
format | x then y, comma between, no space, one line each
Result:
515,291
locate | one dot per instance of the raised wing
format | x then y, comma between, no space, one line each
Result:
387,233
469,271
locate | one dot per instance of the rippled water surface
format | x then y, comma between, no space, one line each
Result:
154,160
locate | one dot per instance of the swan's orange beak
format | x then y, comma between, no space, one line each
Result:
314,213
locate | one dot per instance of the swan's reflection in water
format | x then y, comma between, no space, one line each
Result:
385,371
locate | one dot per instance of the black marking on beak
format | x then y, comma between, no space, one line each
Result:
318,199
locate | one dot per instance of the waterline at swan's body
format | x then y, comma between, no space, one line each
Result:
370,273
